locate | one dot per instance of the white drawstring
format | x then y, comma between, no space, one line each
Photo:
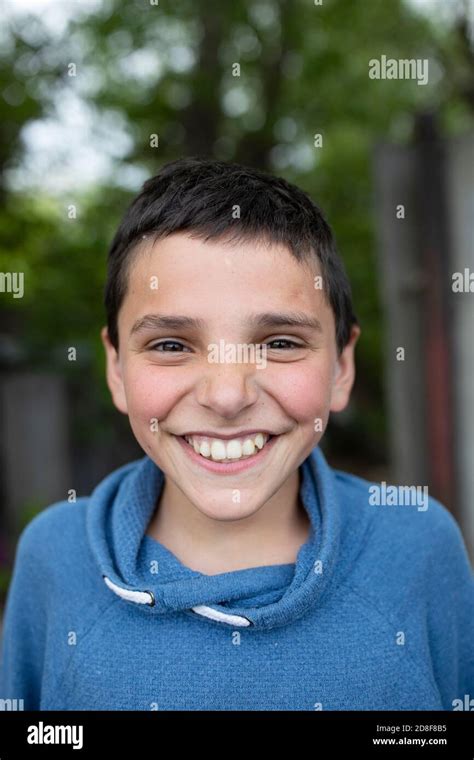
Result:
221,617
146,597
141,597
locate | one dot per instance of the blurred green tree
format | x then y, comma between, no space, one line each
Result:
255,81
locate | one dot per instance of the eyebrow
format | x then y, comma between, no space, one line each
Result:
265,319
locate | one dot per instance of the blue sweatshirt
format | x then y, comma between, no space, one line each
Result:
377,612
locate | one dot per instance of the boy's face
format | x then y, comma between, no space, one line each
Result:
179,387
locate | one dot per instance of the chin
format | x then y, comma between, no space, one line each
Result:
225,512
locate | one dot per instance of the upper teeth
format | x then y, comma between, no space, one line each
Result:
218,449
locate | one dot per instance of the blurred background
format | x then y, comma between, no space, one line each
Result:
96,95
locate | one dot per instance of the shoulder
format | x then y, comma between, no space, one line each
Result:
60,529
402,518
413,563
54,531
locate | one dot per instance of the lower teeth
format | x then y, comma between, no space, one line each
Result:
227,461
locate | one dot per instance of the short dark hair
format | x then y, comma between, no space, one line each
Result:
198,195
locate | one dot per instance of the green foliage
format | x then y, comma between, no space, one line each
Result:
167,70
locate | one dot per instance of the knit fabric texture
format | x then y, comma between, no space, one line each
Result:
377,612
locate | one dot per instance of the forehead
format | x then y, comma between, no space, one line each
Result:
194,263
180,273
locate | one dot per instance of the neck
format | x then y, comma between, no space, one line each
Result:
271,536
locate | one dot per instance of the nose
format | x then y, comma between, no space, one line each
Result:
228,388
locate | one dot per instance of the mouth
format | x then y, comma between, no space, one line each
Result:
227,465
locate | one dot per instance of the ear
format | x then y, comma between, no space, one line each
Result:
114,373
344,374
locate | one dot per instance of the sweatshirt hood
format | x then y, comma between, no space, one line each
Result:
143,572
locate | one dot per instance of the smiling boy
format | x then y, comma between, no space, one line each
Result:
232,568
152,376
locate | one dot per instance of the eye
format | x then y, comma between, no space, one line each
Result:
159,347
290,344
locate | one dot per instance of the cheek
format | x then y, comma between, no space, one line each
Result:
303,392
151,392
